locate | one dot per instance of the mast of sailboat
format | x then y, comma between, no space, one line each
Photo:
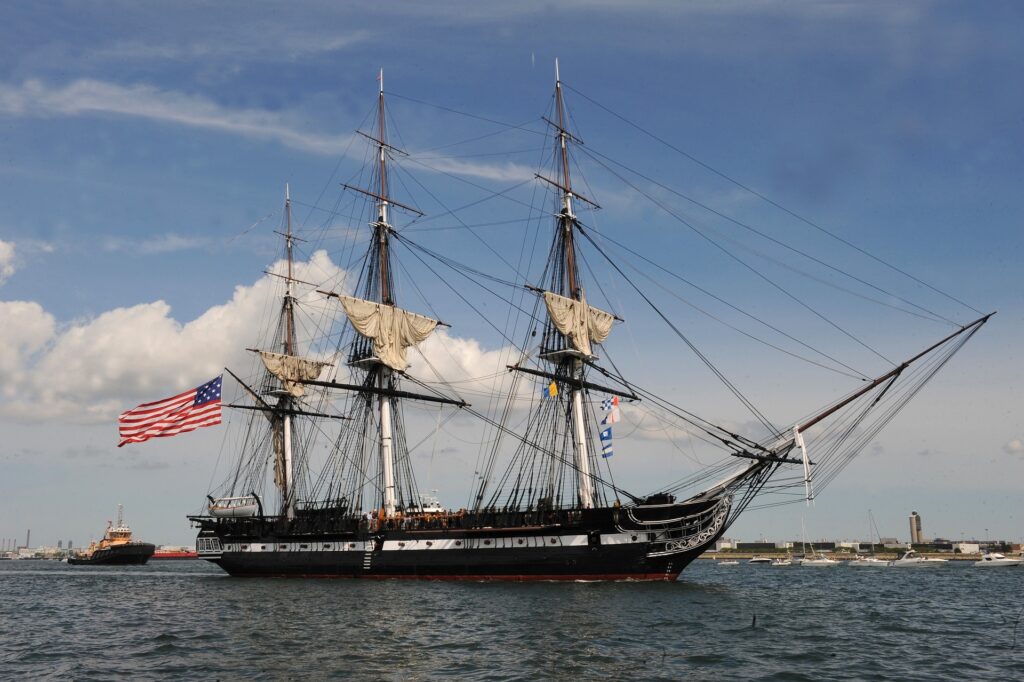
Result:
567,222
289,349
382,229
376,318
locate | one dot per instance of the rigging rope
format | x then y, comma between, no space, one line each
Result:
745,188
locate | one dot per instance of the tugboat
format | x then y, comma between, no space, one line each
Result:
116,547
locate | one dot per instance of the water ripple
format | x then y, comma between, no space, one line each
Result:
188,621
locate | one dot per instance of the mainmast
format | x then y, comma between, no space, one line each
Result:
386,331
383,229
567,224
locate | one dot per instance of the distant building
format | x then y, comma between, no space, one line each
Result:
933,546
916,536
756,546
821,546
967,547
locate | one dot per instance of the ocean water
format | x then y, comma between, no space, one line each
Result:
187,620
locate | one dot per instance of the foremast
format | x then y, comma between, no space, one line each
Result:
291,371
281,423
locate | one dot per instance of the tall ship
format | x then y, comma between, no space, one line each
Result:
117,547
323,481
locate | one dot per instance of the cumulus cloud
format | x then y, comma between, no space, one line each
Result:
6,261
1014,446
88,371
25,332
462,364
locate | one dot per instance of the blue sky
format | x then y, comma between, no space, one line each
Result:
145,149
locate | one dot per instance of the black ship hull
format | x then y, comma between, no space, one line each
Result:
601,545
133,554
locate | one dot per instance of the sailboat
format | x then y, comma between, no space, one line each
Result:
815,559
870,561
324,419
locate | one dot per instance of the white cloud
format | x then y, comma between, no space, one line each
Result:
90,370
85,97
1015,446
164,243
250,44
463,364
474,12
6,261
26,330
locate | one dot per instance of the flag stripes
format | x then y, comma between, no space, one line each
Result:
168,417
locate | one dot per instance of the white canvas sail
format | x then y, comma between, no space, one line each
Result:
392,329
580,323
292,370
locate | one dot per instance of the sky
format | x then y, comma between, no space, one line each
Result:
145,149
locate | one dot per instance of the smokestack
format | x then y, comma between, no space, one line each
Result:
28,538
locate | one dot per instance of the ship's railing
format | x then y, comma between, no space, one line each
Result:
690,532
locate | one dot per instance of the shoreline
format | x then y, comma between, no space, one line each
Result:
887,556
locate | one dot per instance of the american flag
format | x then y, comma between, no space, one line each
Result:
168,417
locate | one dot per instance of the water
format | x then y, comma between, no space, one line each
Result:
186,620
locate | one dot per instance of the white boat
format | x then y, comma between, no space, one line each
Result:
997,559
727,562
862,561
912,559
234,507
782,562
759,560
815,559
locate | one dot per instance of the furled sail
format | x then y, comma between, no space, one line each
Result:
277,440
580,323
292,370
392,329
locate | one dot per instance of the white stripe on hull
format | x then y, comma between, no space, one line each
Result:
405,545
